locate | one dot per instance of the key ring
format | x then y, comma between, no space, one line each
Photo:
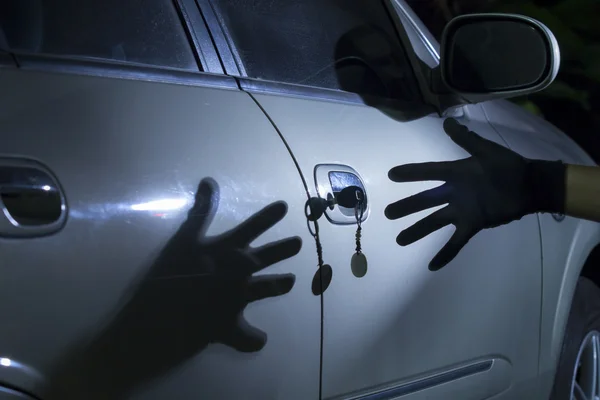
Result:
314,232
359,205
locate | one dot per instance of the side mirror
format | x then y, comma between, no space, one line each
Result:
493,56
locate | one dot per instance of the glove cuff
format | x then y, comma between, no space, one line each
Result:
547,182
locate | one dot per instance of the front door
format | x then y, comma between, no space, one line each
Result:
335,80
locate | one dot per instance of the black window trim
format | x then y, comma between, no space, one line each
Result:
260,86
226,49
199,37
404,15
114,69
221,39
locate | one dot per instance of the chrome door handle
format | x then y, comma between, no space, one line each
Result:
330,180
31,200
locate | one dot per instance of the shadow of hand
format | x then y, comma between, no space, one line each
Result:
194,294
223,266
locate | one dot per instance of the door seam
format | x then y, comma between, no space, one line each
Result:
541,238
304,183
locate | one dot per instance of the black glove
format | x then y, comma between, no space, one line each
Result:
492,187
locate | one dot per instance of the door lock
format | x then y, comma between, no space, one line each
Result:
330,181
349,197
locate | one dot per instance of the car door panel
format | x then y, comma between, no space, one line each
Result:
566,241
401,322
129,155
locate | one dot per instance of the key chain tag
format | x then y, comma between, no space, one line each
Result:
358,263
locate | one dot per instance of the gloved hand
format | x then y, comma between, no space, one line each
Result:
492,187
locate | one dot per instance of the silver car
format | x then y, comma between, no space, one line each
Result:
159,163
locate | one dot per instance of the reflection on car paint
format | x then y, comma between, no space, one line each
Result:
194,294
161,205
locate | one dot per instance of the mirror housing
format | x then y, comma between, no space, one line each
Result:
495,56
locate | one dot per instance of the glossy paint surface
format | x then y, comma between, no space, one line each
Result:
126,290
129,156
401,322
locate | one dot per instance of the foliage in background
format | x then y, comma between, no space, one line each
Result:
573,100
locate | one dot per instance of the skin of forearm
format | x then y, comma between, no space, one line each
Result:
582,197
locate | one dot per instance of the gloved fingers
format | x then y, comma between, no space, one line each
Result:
468,140
458,240
424,227
427,171
418,202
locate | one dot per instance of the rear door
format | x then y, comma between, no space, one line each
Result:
153,243
335,79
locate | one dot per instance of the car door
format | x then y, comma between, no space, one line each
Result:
335,79
153,243
566,241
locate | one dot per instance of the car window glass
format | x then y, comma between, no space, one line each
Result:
333,44
133,31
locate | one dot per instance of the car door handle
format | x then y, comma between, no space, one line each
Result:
31,200
330,180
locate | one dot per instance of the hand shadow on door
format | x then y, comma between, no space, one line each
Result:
194,294
372,64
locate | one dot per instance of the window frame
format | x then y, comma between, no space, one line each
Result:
112,69
428,43
209,71
407,18
198,36
229,55
223,43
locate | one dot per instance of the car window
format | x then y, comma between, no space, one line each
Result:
132,31
333,44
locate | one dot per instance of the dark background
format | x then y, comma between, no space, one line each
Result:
572,101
